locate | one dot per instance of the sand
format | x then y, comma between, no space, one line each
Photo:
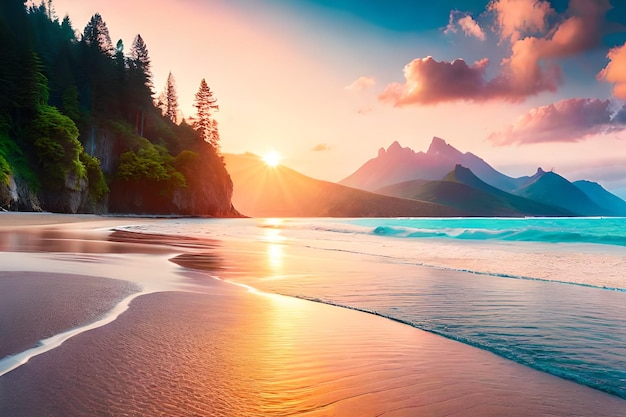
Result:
35,305
223,350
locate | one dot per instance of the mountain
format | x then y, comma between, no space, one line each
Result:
553,189
402,172
463,190
263,191
398,164
606,200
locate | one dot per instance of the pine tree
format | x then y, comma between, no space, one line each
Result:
168,100
171,99
96,34
67,29
140,61
139,83
204,123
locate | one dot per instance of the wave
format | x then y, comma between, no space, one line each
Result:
588,230
519,235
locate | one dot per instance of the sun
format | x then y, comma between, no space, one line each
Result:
272,158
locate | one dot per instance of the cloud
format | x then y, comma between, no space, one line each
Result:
530,69
470,27
362,84
579,32
428,81
615,71
517,18
321,147
568,120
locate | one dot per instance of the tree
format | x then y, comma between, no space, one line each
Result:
168,100
96,79
205,104
139,82
140,62
96,34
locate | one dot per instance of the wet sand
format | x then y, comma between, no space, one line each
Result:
232,353
35,305
225,351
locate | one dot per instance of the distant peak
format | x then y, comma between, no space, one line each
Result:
437,141
395,150
394,147
439,146
540,171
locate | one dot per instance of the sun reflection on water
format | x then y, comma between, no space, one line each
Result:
275,251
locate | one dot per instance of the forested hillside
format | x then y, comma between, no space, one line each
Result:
82,130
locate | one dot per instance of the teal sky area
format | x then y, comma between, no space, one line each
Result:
521,83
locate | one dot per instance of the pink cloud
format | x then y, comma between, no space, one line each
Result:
530,69
429,82
470,27
579,32
615,71
516,18
568,120
362,84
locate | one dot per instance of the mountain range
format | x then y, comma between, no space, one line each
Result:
449,177
400,182
263,191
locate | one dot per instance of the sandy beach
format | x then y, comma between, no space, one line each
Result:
193,345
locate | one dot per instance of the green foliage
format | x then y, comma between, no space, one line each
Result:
149,163
98,187
15,158
57,149
185,159
69,103
50,83
5,170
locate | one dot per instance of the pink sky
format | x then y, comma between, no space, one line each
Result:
327,89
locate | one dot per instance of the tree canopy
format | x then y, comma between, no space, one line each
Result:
78,122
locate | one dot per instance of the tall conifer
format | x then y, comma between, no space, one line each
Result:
205,104
168,100
96,34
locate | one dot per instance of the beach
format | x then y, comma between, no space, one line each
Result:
194,337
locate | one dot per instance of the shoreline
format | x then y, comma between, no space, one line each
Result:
287,354
32,305
246,354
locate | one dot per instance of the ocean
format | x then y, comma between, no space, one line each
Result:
548,293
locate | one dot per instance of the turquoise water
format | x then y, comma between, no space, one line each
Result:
416,271
610,231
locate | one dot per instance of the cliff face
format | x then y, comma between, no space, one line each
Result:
205,191
16,195
209,190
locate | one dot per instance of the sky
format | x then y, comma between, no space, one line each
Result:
326,83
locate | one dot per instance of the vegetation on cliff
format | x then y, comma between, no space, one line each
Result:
80,130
